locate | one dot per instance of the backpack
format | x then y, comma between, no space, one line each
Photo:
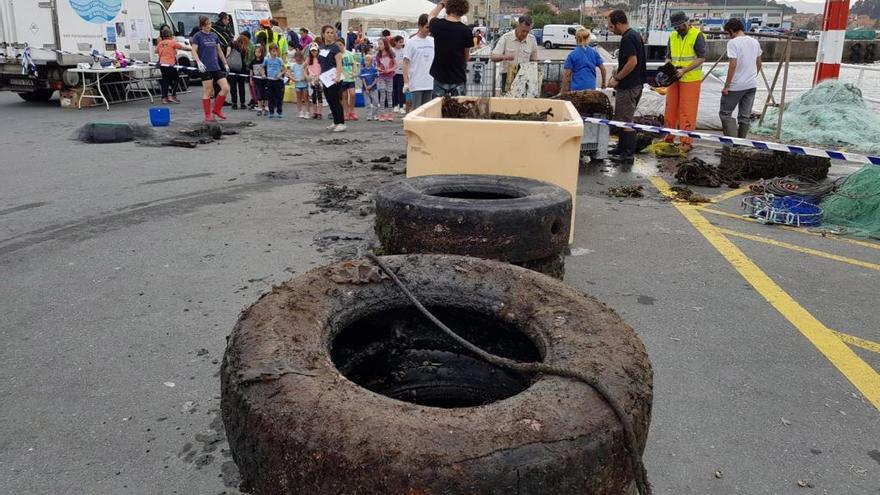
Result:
236,64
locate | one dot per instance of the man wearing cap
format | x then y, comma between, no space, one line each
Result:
274,37
686,51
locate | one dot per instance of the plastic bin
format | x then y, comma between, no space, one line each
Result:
358,99
548,151
160,116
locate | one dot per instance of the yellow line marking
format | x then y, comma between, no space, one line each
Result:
729,194
801,249
867,244
857,371
859,342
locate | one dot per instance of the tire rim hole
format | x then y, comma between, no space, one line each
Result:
398,353
476,192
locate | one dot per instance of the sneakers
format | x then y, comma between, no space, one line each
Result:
339,128
165,101
352,116
271,115
332,127
400,110
390,117
259,112
279,116
381,117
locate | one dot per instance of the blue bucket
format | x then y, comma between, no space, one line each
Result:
160,116
358,99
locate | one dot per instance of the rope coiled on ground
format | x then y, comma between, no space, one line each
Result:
791,185
631,445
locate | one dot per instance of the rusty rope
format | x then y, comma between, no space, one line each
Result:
638,467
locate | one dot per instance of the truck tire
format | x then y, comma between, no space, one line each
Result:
548,45
487,216
333,387
37,95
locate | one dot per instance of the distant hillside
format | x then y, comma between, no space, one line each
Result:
866,7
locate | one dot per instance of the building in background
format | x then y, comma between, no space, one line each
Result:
312,14
711,17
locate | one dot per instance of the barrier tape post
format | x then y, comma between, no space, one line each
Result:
761,145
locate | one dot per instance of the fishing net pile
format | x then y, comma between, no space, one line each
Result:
831,114
855,205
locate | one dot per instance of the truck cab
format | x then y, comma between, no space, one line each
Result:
41,41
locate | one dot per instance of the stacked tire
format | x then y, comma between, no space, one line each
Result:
300,423
520,221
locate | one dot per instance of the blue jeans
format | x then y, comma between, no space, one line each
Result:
447,89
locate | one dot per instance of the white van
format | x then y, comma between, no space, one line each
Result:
76,27
556,35
246,14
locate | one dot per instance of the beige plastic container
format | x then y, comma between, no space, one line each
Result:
548,151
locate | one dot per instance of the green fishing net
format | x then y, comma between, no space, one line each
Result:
855,205
831,114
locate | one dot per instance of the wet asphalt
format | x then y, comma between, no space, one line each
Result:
123,268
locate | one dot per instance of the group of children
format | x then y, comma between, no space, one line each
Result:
376,72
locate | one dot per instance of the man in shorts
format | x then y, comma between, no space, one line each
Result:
628,81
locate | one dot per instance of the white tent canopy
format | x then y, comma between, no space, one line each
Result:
389,10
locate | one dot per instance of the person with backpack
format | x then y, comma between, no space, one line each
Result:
239,69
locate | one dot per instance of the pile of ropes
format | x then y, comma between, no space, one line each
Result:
831,114
794,185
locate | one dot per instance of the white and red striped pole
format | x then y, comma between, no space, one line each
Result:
831,40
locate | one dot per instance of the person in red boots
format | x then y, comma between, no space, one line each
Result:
208,54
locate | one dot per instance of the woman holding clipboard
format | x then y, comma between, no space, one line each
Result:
330,58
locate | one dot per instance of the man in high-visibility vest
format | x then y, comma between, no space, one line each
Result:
686,51
273,37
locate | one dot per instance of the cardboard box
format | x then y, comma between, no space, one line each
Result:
70,98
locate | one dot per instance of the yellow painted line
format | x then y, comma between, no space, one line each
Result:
801,249
859,342
729,194
857,371
867,244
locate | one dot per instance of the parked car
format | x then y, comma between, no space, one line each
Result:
539,35
556,35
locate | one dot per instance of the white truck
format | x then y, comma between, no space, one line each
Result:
32,31
246,14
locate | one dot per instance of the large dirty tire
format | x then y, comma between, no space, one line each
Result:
503,218
297,425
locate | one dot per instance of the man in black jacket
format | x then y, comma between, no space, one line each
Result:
223,29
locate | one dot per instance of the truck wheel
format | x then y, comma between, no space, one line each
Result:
488,216
332,387
548,45
37,95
